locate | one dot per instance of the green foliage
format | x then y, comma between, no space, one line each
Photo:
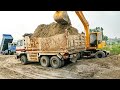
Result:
97,29
105,38
118,41
100,29
114,49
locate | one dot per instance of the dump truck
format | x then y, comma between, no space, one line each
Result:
7,45
51,51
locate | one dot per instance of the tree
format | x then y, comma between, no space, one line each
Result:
118,41
105,37
100,29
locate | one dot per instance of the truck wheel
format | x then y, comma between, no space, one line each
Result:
44,61
99,54
55,62
23,59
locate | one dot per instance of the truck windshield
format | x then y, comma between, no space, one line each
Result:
20,43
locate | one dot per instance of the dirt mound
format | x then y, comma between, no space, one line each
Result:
52,29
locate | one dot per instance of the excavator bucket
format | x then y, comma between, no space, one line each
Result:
62,17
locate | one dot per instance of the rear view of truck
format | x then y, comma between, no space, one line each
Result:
54,50
6,45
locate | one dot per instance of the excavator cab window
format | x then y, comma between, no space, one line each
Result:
99,38
93,39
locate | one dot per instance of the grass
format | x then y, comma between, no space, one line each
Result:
114,49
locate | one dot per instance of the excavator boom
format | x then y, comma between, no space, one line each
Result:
86,27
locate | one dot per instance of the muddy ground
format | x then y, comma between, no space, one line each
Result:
107,68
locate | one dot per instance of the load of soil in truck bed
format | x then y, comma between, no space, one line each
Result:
52,29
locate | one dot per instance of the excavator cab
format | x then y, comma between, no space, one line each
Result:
62,17
96,40
93,39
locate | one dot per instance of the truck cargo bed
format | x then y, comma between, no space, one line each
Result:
57,43
7,38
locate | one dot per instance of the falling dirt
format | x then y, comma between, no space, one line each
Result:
52,29
106,68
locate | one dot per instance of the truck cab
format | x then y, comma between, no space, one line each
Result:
12,48
20,46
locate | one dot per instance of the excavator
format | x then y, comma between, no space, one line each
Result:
94,42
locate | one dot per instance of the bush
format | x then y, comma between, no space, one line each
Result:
114,49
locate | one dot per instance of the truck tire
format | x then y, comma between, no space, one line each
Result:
55,62
99,54
23,59
45,61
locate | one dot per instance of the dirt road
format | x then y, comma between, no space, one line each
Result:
107,68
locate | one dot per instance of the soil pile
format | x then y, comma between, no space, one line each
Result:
52,29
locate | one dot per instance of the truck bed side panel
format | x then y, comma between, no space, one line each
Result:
58,43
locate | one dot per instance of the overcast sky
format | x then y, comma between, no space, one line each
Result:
19,22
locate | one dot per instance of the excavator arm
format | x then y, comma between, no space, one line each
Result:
63,18
86,27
